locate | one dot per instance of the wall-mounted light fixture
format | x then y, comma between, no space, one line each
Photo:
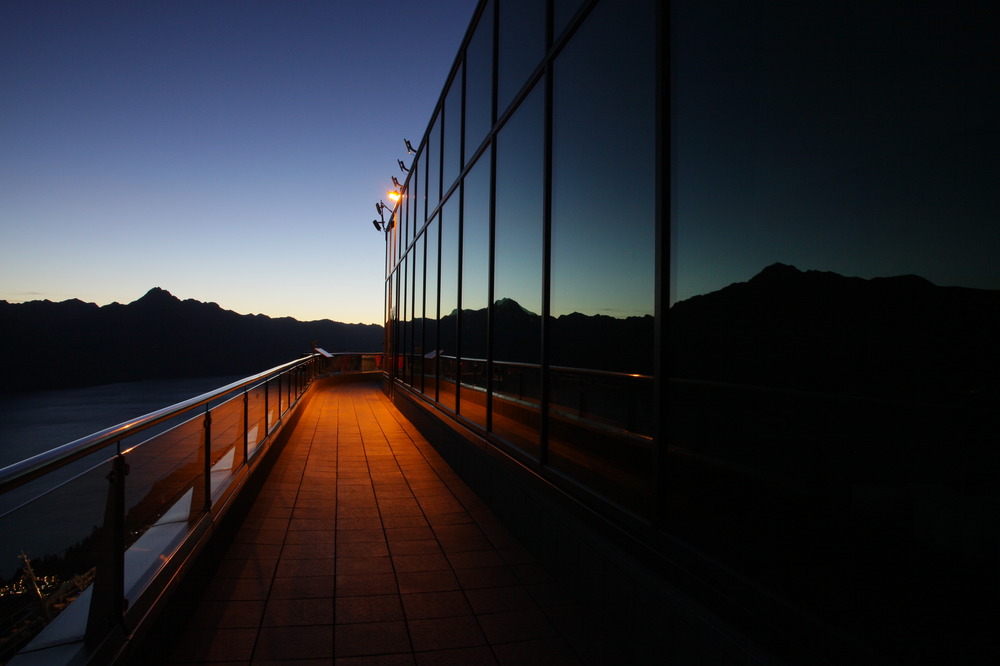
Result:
381,224
394,195
410,150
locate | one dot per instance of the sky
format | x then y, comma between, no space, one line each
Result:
854,137
226,151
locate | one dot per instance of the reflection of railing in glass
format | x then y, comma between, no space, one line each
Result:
601,426
600,423
613,400
153,501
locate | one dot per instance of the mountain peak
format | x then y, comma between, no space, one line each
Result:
776,271
157,292
157,295
511,304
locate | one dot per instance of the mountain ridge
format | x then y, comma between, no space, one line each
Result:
70,344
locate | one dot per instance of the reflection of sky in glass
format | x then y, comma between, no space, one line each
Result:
449,257
860,144
453,131
434,164
603,167
417,280
406,291
522,42
518,242
476,235
479,83
431,286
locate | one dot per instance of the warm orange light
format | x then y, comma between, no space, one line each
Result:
393,195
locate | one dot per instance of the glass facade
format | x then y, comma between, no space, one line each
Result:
541,300
832,399
795,380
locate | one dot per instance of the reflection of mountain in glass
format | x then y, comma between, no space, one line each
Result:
895,337
597,342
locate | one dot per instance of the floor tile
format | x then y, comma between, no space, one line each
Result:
371,608
445,633
371,638
300,642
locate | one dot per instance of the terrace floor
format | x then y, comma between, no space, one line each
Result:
364,547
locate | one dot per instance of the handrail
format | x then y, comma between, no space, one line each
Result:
133,559
29,469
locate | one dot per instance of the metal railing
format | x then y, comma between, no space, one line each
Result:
108,523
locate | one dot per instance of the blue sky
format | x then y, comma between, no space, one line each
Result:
225,151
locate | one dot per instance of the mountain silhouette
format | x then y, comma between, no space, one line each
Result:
897,337
72,344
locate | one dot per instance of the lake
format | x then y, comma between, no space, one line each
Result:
47,523
31,423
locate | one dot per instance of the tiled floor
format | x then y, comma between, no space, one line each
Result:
364,547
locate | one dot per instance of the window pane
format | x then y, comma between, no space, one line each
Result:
430,310
407,209
518,283
603,253
603,226
390,320
521,46
475,284
419,194
413,194
405,306
404,226
448,307
453,131
433,174
400,232
479,84
418,311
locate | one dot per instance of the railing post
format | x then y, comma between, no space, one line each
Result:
246,426
266,425
208,459
107,607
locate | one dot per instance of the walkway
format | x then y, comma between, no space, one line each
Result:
364,547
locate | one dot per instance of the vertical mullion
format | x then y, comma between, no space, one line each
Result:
491,216
543,434
662,268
